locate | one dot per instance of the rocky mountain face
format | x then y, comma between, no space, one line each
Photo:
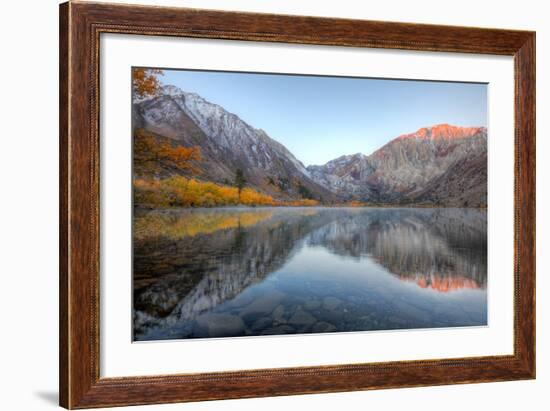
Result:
227,143
440,165
346,176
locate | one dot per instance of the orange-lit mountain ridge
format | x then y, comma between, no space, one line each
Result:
444,132
439,165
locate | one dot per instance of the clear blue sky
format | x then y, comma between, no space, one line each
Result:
321,118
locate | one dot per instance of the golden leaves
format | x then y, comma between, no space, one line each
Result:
179,191
145,82
149,150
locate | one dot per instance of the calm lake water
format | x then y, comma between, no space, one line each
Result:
265,271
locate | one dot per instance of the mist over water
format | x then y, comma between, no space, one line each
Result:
227,272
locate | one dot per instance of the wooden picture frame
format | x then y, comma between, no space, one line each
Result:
80,27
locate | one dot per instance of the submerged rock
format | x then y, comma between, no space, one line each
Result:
331,303
333,316
278,314
312,304
261,324
323,327
219,325
302,317
262,306
279,330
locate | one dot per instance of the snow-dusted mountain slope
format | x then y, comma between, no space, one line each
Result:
227,143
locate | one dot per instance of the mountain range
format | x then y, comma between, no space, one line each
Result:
439,165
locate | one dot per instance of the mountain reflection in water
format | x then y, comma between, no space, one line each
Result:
244,271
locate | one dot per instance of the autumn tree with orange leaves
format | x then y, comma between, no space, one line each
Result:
150,151
145,82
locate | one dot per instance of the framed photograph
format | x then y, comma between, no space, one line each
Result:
259,205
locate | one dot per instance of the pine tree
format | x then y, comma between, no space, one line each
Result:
240,181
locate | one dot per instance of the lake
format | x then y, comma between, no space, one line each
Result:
227,272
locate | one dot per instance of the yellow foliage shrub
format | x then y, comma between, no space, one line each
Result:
178,191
